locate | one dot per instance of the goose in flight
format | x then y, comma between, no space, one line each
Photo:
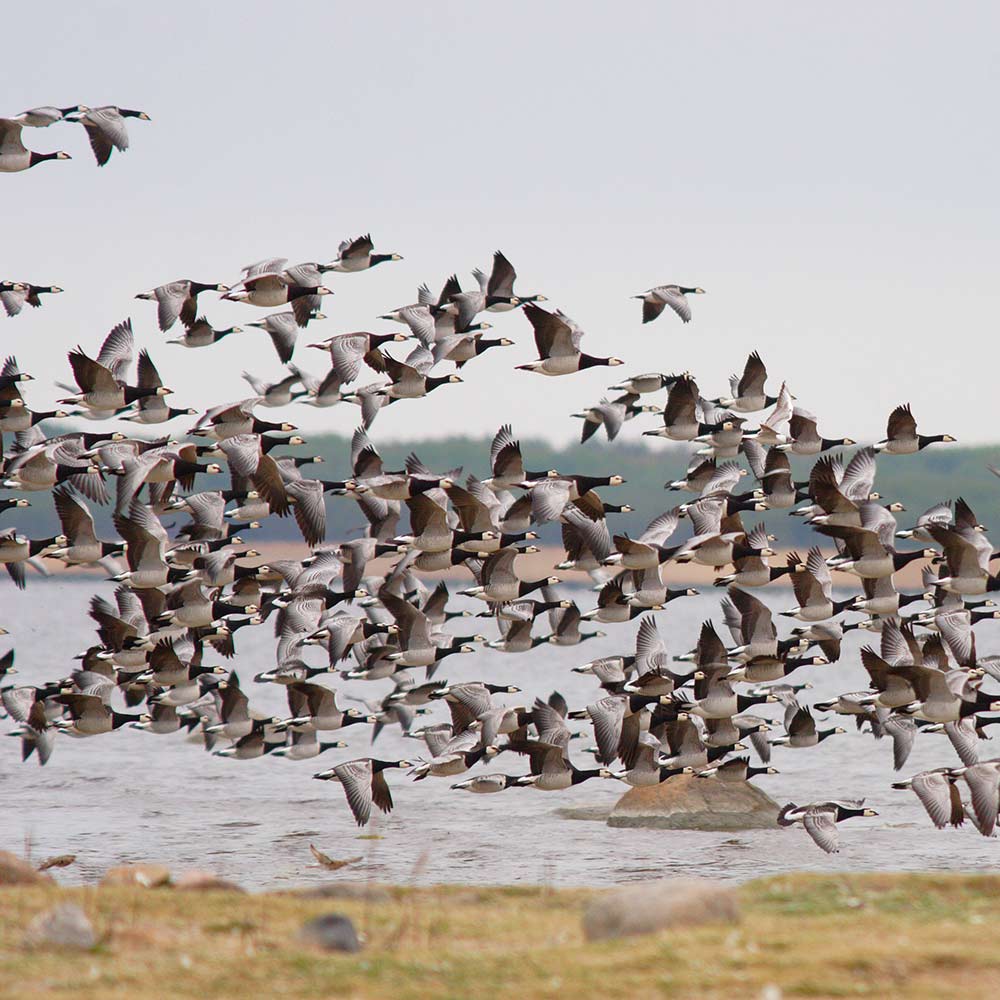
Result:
14,155
179,299
901,437
500,295
106,129
47,115
364,784
557,339
655,300
356,255
14,294
820,820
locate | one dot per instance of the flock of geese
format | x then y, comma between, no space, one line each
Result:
105,127
654,716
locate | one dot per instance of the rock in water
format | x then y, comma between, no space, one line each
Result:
649,907
149,876
66,926
592,814
15,871
686,802
331,932
196,880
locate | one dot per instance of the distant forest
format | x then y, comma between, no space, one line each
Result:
941,472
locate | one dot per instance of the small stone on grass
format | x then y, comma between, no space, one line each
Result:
331,932
65,926
646,908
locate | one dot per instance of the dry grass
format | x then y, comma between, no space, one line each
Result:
811,936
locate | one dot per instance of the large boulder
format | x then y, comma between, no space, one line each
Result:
645,908
16,871
687,802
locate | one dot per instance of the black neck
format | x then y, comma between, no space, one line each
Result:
134,392
41,157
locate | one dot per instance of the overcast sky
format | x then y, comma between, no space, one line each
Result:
828,173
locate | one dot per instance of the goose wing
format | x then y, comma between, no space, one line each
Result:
964,558
584,534
903,731
118,350
549,498
661,528
17,702
553,335
649,647
902,425
821,825
984,785
75,519
670,295
90,375
754,377
347,353
859,476
170,302
10,138
607,715
304,275
356,249
414,628
359,781
505,455
270,267
109,122
100,142
426,514
964,739
937,795
502,277
682,402
309,509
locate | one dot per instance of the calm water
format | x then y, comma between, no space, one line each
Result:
134,796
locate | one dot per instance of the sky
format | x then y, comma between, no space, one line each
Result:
826,172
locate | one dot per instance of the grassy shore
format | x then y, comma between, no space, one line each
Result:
800,935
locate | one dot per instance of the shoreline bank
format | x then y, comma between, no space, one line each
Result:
797,935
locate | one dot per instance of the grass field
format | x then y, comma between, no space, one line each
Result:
800,936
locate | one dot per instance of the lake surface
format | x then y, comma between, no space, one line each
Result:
131,796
